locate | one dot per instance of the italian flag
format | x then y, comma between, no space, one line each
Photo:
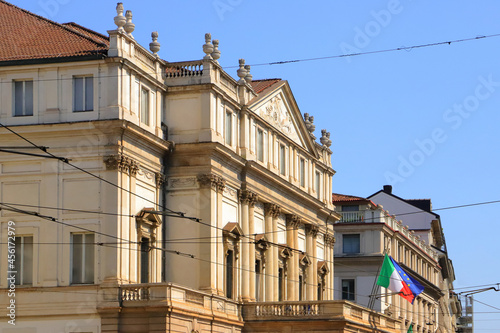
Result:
390,278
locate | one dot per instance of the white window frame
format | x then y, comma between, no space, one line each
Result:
317,184
87,103
260,145
145,106
20,261
302,171
82,264
282,159
24,112
228,127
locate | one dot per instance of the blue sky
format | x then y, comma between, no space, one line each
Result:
424,120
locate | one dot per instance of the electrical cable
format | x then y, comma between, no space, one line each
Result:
282,62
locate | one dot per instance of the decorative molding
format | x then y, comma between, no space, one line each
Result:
230,192
146,175
122,163
272,209
182,182
216,182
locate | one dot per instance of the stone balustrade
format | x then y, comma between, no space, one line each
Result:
316,310
169,294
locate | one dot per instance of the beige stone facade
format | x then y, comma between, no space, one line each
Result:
162,197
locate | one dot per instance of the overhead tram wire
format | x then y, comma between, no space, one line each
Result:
190,256
282,62
65,160
217,237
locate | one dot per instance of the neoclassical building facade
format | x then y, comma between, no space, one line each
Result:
159,196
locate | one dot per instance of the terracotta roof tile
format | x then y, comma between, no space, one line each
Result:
261,85
27,36
99,38
343,197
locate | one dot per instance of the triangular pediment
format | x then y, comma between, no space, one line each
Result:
278,108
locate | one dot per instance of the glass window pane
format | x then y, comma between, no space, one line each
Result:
89,93
229,128
351,243
18,260
18,98
302,172
28,98
28,260
76,272
282,160
78,94
89,258
260,145
145,106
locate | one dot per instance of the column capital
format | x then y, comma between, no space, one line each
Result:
272,209
312,230
293,220
122,163
216,182
249,197
329,239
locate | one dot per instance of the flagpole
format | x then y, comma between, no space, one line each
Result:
375,288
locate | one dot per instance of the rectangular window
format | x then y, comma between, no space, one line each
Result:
317,184
260,145
350,244
145,106
82,255
301,289
229,128
258,282
348,292
83,93
144,260
281,284
23,98
302,172
351,208
229,274
282,160
137,95
24,260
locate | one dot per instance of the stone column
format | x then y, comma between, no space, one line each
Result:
315,264
329,243
271,272
292,224
212,187
245,253
312,273
251,240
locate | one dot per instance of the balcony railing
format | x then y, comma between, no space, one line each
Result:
352,217
169,294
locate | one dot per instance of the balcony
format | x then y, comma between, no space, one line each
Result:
178,297
352,217
316,314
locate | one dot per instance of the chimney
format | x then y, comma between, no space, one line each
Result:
388,189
